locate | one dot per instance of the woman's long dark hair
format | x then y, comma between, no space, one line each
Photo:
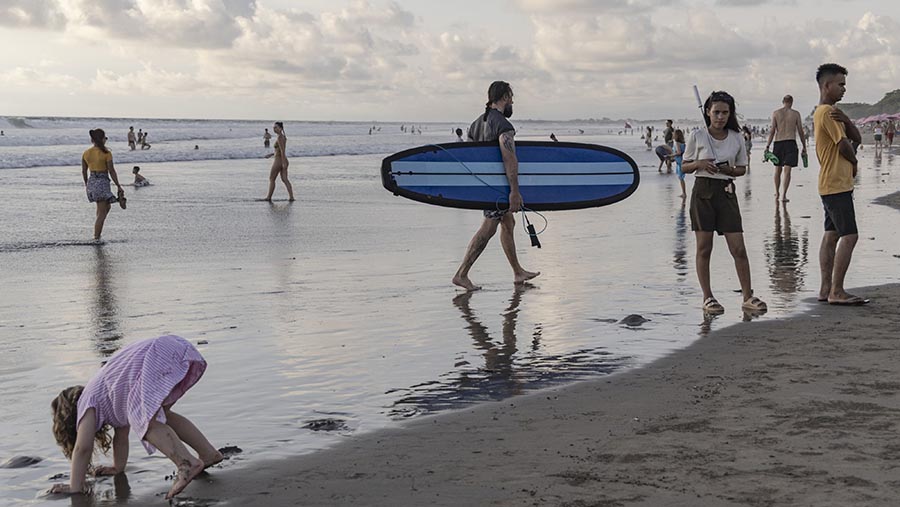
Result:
725,97
496,92
98,137
281,126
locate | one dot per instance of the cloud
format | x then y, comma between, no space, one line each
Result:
607,57
359,43
752,3
45,14
597,6
179,23
38,77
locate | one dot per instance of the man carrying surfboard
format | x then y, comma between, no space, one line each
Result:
493,126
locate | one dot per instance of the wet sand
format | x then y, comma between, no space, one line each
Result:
801,411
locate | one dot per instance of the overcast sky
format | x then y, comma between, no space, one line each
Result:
429,60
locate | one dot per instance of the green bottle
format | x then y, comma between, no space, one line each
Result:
805,159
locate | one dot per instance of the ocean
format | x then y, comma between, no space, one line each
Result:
339,306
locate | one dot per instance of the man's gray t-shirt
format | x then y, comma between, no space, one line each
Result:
491,129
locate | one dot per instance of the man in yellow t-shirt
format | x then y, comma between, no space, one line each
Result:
837,158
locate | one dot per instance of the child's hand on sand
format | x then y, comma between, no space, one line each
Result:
105,470
62,489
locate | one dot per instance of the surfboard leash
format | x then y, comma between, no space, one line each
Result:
529,228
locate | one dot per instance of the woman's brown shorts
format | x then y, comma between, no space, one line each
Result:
714,206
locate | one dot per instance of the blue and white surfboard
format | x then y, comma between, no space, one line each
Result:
552,176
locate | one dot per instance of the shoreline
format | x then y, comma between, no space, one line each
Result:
763,413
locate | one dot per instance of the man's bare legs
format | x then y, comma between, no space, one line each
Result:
191,435
777,182
781,191
786,183
834,260
164,438
102,212
479,241
508,242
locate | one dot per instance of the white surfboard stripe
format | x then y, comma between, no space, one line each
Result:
402,166
440,180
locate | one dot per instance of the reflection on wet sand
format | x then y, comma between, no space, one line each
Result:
679,253
786,256
102,494
505,372
105,310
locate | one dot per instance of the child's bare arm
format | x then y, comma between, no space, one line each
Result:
120,453
81,455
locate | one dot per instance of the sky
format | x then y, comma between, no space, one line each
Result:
433,60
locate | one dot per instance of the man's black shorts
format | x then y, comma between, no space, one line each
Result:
714,206
787,153
839,213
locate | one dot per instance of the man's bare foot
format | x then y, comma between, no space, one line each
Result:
266,199
211,460
785,199
291,199
524,276
465,283
186,473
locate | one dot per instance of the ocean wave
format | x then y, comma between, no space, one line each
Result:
54,142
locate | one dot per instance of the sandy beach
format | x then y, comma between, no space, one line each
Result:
801,411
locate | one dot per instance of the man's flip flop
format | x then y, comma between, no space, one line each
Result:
855,301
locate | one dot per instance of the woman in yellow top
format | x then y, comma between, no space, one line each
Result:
98,161
280,164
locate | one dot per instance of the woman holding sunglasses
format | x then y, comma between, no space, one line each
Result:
715,156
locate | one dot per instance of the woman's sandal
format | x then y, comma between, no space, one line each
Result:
754,304
712,307
122,199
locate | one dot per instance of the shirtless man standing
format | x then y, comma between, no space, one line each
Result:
786,126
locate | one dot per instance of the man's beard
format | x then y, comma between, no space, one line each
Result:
507,111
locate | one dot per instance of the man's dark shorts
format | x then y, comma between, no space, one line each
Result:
787,153
839,213
495,214
714,206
